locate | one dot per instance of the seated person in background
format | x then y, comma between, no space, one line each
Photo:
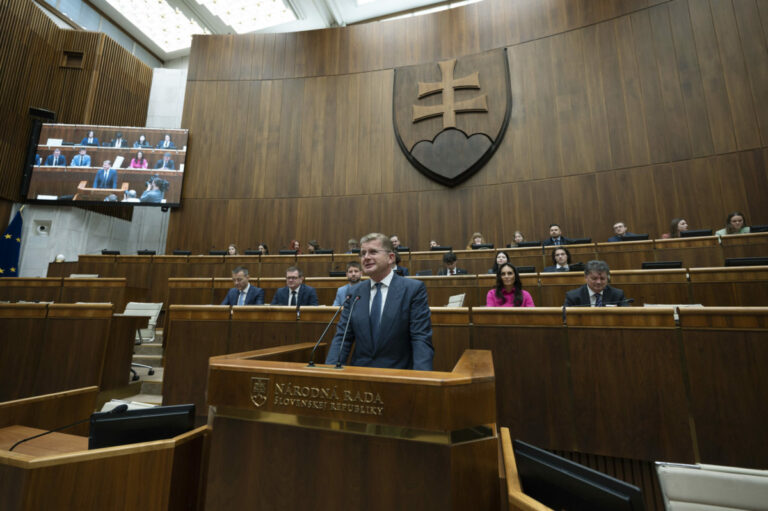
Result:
81,159
90,140
400,270
395,241
596,292
139,162
155,191
555,236
130,196
354,273
620,230
501,258
118,141
166,143
509,291
477,238
295,245
352,245
243,293
312,245
295,293
263,248
517,238
110,198
56,159
677,226
106,177
734,224
449,265
38,160
165,163
231,249
141,142
433,243
561,259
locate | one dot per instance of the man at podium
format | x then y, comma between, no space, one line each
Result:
388,315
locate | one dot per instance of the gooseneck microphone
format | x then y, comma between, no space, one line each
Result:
346,327
118,409
327,327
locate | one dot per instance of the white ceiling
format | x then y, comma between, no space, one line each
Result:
311,15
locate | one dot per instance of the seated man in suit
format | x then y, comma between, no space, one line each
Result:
400,270
395,241
82,159
56,159
90,140
295,293
243,293
596,292
561,259
449,265
165,163
555,237
166,143
354,273
106,177
620,228
118,141
390,326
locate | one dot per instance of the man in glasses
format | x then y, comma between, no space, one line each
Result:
295,293
390,324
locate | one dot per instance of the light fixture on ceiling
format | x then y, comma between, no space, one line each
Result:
166,26
248,15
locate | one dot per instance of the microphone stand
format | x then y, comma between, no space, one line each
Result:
346,327
327,327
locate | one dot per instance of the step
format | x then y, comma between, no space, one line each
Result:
153,384
150,360
150,399
152,348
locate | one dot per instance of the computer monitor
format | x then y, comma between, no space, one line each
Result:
354,250
337,274
288,252
182,252
323,251
695,232
634,237
758,228
441,248
560,483
403,249
576,267
526,269
481,246
143,425
525,244
746,261
423,273
217,252
579,241
661,265
253,252
146,252
106,251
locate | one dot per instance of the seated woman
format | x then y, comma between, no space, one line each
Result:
734,224
517,239
295,245
139,162
477,238
141,142
677,226
231,249
509,291
501,258
264,248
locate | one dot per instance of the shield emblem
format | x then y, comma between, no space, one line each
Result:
259,390
450,116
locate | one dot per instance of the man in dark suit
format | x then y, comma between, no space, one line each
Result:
165,163
596,292
388,316
118,141
295,293
449,265
620,229
56,159
555,237
90,140
561,259
243,293
400,270
166,143
106,177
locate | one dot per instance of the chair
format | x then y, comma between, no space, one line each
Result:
712,487
517,500
150,311
456,300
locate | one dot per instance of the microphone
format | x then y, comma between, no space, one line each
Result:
346,327
118,409
328,326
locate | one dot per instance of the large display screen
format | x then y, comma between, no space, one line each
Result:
85,163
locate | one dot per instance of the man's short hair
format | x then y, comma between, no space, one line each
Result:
554,225
355,264
449,258
292,269
597,266
619,222
385,241
240,269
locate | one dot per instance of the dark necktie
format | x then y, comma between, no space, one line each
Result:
292,301
376,313
599,300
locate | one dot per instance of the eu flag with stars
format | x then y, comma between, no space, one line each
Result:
10,245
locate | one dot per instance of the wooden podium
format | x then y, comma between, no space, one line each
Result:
288,436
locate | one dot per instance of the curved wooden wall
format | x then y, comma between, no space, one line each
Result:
636,110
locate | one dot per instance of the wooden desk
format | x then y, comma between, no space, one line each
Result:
48,445
626,255
653,286
13,289
745,245
693,252
731,286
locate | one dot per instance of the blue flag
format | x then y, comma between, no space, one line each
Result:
10,245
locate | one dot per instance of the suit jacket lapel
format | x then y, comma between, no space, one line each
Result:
585,296
394,295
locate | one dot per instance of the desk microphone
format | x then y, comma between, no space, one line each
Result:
344,337
328,326
118,409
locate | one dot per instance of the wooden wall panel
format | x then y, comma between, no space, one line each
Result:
637,111
110,87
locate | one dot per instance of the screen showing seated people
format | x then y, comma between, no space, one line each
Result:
85,163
